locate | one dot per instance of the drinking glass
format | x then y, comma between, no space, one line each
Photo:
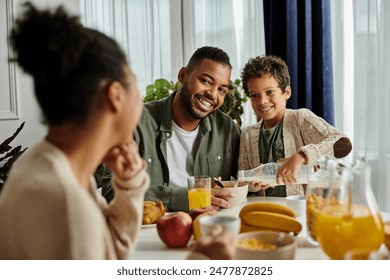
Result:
199,192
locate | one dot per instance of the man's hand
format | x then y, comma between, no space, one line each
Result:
217,198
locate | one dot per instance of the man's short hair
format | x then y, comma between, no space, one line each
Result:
211,53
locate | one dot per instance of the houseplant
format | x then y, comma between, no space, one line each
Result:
12,154
232,105
159,89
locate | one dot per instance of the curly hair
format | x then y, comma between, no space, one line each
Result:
266,64
211,53
67,62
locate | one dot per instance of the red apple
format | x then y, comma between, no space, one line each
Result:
175,230
195,212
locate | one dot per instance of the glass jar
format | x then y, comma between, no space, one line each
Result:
350,221
316,192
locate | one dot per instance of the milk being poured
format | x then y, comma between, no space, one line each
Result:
266,173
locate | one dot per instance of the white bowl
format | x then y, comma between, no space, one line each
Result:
286,246
241,192
297,203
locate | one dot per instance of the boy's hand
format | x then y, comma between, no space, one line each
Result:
257,186
289,168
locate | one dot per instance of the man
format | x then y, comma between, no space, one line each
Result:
185,134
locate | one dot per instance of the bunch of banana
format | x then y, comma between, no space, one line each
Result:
153,210
269,216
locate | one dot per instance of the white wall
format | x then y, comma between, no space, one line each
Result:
19,84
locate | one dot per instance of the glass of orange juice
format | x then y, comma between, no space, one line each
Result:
199,192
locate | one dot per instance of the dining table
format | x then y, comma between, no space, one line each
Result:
150,247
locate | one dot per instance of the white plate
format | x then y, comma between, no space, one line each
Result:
153,225
148,226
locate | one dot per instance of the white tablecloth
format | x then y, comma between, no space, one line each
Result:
150,247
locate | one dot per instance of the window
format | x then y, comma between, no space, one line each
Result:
159,36
362,71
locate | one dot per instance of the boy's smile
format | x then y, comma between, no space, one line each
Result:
263,110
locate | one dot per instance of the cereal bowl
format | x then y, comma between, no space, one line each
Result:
265,245
241,192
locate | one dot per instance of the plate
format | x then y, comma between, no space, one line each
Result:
148,226
154,225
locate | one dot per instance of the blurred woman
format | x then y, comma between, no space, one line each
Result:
89,100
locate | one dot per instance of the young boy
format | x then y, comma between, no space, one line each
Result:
292,137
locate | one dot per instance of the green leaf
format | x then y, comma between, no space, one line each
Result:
161,84
4,147
11,156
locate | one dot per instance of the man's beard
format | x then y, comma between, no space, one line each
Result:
190,107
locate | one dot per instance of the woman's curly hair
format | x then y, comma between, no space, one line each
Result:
67,61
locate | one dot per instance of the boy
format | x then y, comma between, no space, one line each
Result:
293,137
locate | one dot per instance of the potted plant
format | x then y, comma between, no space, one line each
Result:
234,101
12,154
232,105
159,89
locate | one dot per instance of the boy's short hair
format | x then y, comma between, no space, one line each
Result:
266,64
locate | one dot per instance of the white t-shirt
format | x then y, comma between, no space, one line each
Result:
181,152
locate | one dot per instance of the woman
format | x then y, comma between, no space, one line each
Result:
89,100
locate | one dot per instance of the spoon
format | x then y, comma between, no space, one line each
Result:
219,184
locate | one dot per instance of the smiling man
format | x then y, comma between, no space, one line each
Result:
185,134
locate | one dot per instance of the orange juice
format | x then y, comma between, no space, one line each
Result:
199,198
340,230
314,204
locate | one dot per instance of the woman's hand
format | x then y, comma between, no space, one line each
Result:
217,245
124,160
289,168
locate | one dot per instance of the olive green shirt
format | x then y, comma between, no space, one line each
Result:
217,154
271,145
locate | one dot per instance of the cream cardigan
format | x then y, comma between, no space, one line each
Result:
303,131
45,214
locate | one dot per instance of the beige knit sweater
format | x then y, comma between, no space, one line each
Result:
303,131
45,214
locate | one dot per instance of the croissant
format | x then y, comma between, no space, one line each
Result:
152,212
